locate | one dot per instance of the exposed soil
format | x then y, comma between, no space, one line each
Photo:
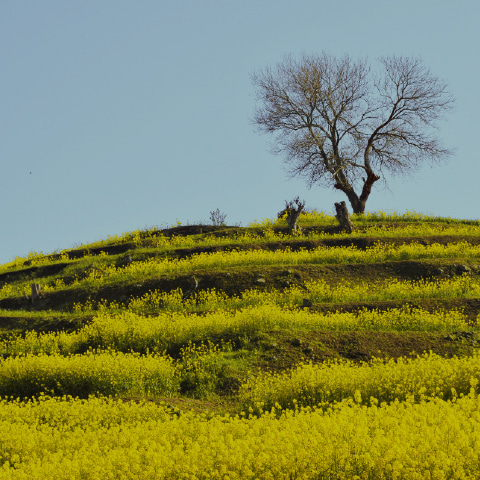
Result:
470,307
283,351
20,325
302,244
234,281
31,273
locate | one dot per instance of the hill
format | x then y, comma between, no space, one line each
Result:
220,324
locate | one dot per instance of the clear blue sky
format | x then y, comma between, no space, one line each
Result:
131,114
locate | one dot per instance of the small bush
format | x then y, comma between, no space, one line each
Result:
218,218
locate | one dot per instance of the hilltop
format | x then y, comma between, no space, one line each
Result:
390,263
206,351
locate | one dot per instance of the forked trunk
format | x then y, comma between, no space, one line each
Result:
358,206
358,202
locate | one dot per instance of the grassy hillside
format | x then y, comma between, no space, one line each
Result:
229,352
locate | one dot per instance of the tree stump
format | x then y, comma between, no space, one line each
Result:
343,217
191,290
293,210
36,287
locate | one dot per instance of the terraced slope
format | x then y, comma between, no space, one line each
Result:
379,267
206,324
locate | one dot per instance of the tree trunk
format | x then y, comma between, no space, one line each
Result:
343,217
358,205
366,190
358,202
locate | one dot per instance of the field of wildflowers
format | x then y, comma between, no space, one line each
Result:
271,382
128,331
102,438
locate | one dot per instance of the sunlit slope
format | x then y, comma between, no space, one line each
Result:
257,286
235,260
227,352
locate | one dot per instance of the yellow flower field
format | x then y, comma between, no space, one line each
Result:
425,377
128,331
100,438
103,373
114,372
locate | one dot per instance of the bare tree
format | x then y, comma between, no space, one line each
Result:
341,124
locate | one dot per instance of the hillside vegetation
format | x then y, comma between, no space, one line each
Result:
205,351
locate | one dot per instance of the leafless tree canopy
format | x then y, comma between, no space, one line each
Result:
340,123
